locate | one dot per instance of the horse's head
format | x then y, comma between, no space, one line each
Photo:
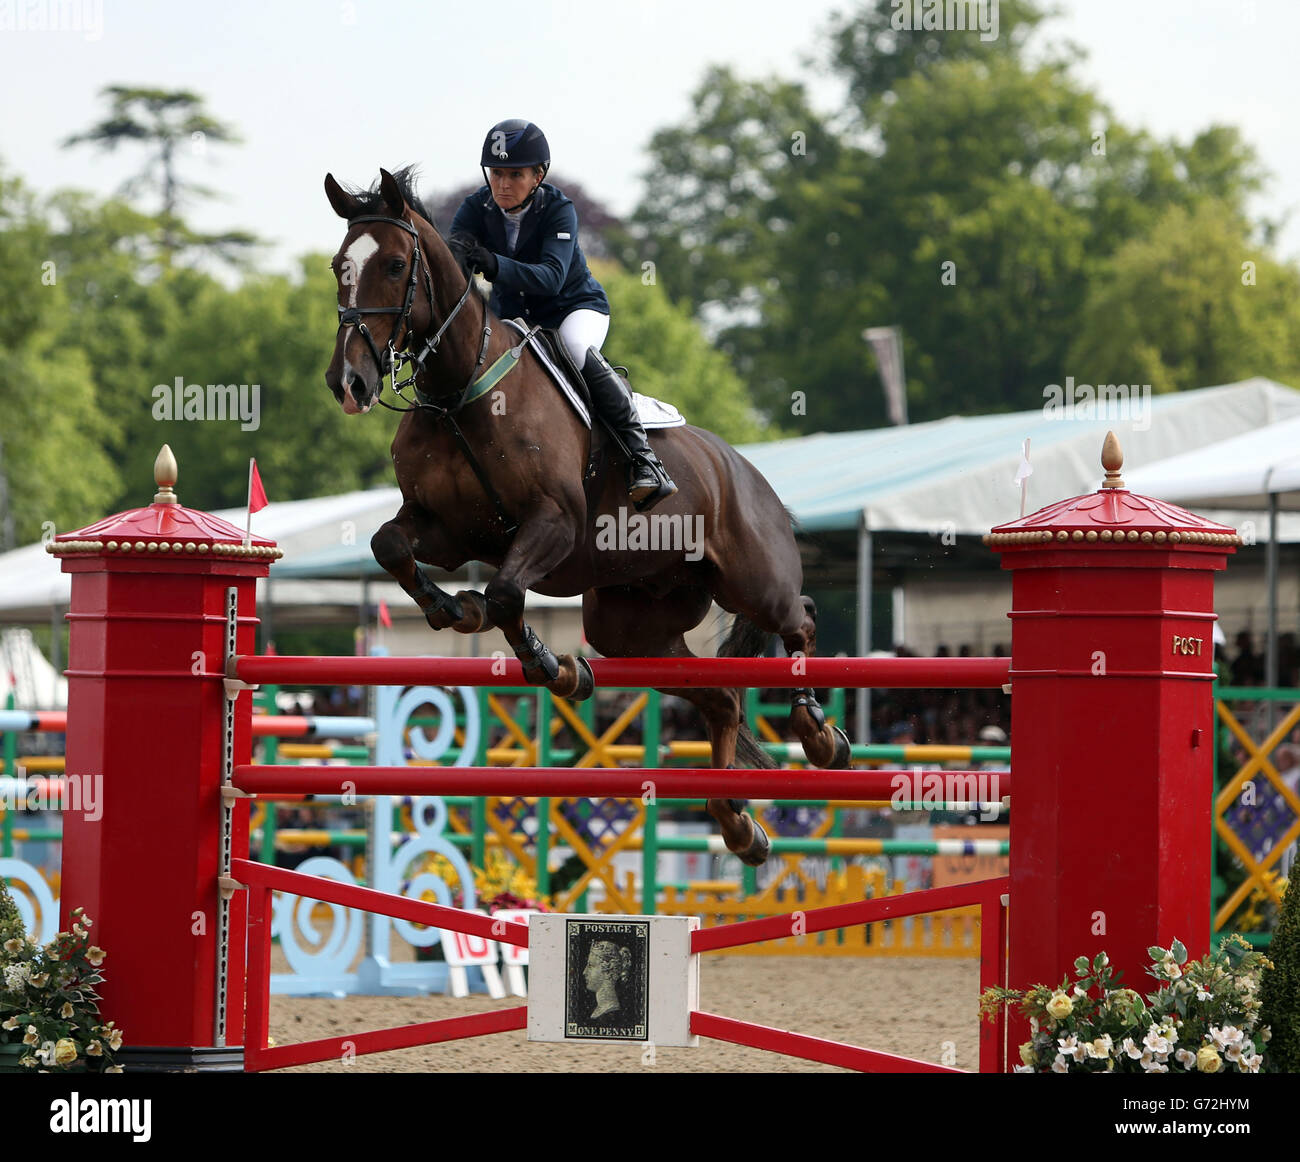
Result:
384,285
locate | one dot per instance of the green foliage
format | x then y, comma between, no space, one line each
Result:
1280,994
171,125
975,193
1179,308
54,432
669,359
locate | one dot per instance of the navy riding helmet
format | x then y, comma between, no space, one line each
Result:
515,144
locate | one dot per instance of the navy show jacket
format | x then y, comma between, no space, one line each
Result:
547,277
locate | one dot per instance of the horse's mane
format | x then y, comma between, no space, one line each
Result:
371,201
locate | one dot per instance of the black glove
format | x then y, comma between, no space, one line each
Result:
482,259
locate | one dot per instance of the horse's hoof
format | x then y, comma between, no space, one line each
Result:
474,618
575,681
755,855
842,759
586,681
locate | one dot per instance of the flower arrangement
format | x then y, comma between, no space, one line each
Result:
499,884
1203,1019
48,1000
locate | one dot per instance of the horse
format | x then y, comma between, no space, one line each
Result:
515,481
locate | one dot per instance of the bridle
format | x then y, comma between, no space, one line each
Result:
395,358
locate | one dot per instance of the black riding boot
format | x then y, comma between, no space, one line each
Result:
648,481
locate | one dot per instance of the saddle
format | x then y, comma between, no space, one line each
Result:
567,377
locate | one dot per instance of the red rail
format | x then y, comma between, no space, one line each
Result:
385,903
754,673
988,894
809,1048
261,879
620,782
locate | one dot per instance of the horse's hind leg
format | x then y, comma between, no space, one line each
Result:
825,745
617,624
395,546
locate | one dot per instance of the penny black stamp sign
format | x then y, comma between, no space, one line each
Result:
606,972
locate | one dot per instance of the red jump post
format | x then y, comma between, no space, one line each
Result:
1112,650
146,706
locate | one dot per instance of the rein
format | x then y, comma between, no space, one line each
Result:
397,359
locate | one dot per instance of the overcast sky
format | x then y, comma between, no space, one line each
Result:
349,86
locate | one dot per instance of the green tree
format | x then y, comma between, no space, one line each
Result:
669,359
1279,992
970,191
168,123
52,460
275,333
1194,303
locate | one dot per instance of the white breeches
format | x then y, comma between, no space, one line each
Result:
582,329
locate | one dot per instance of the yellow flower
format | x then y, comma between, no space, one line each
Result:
65,1051
95,955
94,1049
1059,1006
1207,1059
1027,1053
67,1011
32,1037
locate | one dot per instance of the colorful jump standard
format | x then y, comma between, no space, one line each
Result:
1112,613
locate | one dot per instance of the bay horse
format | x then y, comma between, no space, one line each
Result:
515,481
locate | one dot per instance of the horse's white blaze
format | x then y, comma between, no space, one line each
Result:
354,262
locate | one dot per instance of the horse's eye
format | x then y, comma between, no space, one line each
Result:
396,266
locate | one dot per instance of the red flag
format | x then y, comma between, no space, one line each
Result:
256,493
384,619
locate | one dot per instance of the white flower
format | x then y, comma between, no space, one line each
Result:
1059,1066
1157,1044
1186,1058
1101,1047
1201,994
1154,1066
1070,1047
1251,1064
1131,1049
1225,1037
16,977
1022,1069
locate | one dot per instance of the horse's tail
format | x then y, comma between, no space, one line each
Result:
745,640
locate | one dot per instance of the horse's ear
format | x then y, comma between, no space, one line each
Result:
345,204
392,193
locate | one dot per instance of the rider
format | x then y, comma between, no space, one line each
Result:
525,234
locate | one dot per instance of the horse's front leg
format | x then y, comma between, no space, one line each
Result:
394,547
541,544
